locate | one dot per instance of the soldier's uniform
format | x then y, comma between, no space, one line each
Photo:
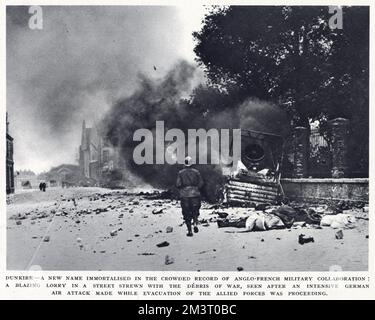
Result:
189,181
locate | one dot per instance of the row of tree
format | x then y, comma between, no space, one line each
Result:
300,58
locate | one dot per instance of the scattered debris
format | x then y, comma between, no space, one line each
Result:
163,244
221,214
168,260
299,224
113,233
339,234
302,239
204,251
156,195
158,211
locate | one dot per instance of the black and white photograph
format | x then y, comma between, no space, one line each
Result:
197,138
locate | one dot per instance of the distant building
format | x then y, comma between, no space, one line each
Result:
89,153
9,160
26,179
65,175
99,161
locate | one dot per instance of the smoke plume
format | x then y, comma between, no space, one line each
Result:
171,99
83,60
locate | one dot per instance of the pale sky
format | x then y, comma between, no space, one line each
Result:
78,65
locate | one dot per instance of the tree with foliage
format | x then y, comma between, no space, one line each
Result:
292,57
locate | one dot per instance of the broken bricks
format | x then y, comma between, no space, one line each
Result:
158,211
168,260
113,233
163,244
339,234
302,239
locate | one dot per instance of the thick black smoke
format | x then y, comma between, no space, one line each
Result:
172,100
155,100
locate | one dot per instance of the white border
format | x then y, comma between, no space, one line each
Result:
40,294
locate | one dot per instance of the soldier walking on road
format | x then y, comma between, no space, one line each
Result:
189,182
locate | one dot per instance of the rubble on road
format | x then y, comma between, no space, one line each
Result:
19,216
168,260
151,216
263,216
339,234
163,244
156,195
158,211
302,239
113,233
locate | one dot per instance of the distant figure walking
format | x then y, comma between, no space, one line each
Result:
189,182
42,186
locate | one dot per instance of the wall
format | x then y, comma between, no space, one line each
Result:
315,190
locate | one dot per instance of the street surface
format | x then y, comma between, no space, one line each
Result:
101,229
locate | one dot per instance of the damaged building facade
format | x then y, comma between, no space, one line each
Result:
100,163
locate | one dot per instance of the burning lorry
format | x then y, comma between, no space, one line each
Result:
257,178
